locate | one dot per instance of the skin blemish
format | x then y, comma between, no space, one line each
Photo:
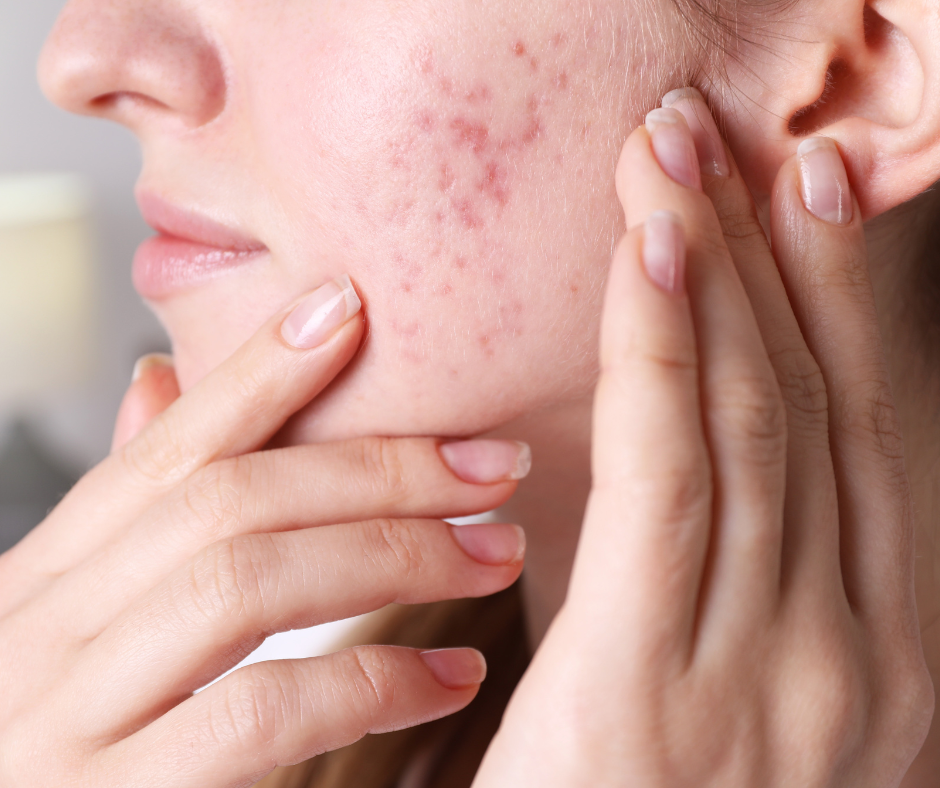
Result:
534,63
518,49
474,136
494,183
561,81
480,94
559,40
460,262
467,212
425,121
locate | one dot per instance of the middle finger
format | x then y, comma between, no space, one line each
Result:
287,489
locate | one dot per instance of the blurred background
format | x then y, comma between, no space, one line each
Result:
71,325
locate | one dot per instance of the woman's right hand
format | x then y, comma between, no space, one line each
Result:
177,555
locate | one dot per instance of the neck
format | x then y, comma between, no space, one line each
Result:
550,504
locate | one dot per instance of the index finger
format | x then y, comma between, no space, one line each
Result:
235,409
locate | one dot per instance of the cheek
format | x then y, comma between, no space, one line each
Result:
466,184
453,185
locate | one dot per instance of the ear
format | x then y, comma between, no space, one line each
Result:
866,74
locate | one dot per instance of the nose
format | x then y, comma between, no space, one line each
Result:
133,60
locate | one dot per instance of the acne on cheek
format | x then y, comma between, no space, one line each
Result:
478,140
461,168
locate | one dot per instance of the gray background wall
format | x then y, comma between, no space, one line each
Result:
34,135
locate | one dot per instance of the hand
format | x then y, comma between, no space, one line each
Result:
741,610
180,553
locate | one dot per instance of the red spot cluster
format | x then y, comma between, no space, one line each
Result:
475,136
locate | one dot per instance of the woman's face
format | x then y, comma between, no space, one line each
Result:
455,158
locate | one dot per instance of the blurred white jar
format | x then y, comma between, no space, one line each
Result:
47,277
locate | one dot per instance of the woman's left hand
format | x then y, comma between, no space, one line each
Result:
741,611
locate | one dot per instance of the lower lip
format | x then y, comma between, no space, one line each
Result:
165,265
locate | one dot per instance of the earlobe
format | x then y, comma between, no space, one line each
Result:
866,75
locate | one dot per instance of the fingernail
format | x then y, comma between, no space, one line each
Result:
826,191
316,318
493,544
456,668
487,461
708,142
674,147
149,362
664,251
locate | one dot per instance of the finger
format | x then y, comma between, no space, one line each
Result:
209,615
819,241
153,389
287,489
280,713
742,407
233,410
810,497
645,533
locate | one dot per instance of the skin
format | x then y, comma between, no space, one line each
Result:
501,159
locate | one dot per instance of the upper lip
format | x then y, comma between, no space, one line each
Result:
189,225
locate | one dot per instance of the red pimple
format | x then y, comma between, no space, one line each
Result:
518,49
467,214
460,262
534,63
494,182
425,121
473,135
479,94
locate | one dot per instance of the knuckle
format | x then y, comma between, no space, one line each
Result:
802,384
255,711
396,549
212,499
752,410
867,411
843,700
382,463
371,680
228,578
662,358
672,495
154,456
914,699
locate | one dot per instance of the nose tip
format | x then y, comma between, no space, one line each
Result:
126,61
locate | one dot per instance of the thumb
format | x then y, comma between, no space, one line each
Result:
153,389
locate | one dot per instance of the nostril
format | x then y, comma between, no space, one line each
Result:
110,102
126,63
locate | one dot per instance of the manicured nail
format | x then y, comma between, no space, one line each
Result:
826,191
664,251
708,142
149,362
487,461
674,147
493,544
456,668
316,318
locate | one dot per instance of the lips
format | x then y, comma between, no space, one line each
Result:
188,250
